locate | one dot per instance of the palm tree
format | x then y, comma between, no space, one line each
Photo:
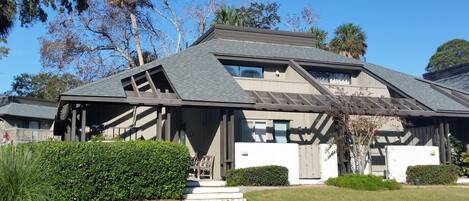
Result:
229,16
320,37
349,40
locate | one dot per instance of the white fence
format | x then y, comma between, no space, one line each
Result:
25,135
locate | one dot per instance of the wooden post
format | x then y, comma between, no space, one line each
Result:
83,124
442,143
158,123
231,140
167,127
448,143
223,143
74,124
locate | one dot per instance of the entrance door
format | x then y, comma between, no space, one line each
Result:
309,161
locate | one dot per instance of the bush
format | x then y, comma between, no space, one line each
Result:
432,174
363,182
21,176
258,176
134,170
464,159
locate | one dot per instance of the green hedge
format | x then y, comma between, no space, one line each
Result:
363,182
258,176
432,174
114,171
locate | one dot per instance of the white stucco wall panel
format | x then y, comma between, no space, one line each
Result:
261,154
398,158
328,161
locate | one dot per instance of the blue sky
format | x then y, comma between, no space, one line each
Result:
402,35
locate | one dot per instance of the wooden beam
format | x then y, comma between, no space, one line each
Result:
257,96
374,103
134,86
151,83
305,99
159,123
448,143
167,127
223,131
139,76
308,77
442,143
74,123
231,139
273,97
83,124
290,99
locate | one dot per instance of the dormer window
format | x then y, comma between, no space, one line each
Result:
332,77
245,71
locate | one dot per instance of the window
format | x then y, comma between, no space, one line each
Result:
245,71
281,131
332,78
254,131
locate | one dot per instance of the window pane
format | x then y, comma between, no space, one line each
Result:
260,132
322,77
254,72
233,70
247,131
280,131
340,78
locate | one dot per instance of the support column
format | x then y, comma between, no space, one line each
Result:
223,123
448,142
167,128
442,143
231,140
158,123
74,124
83,124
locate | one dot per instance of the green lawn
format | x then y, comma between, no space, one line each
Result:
324,193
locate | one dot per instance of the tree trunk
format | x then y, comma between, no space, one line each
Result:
138,48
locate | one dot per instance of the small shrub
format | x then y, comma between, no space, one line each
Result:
432,174
136,170
21,176
363,182
464,158
258,176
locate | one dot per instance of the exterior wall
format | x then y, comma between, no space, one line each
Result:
202,130
398,159
361,83
305,128
18,134
261,154
287,81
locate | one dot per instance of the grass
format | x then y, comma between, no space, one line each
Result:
325,193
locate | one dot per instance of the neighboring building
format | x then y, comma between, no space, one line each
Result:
456,76
255,97
25,119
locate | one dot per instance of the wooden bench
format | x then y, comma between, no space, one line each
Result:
203,168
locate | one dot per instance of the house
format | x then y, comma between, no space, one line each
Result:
256,97
25,119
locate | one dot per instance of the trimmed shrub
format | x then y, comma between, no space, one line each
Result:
364,182
432,174
134,170
21,176
258,176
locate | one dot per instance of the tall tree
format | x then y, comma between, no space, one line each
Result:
200,13
301,22
29,12
43,85
257,15
451,53
349,40
320,36
228,16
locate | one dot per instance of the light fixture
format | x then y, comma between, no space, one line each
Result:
277,73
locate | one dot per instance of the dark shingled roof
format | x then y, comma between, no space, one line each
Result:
196,74
419,90
460,81
28,110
